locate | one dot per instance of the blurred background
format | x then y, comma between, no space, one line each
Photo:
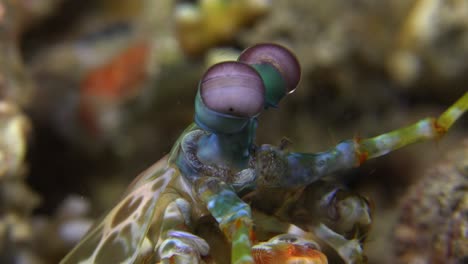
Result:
94,92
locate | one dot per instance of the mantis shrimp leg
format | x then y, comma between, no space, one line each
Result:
278,168
233,215
178,245
350,250
428,128
337,217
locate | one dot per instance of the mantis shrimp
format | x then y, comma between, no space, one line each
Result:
215,170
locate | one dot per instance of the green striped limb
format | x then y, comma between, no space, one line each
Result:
279,168
233,215
428,128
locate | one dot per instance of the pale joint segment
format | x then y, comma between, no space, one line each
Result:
233,215
349,250
182,248
176,244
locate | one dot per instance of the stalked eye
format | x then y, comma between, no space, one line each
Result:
278,67
277,56
233,88
229,94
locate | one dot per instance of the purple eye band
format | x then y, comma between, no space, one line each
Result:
233,88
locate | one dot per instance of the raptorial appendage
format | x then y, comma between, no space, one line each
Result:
176,244
233,215
329,214
425,129
280,168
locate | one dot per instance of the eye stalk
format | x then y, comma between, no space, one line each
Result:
229,94
278,67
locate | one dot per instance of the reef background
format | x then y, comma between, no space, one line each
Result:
108,86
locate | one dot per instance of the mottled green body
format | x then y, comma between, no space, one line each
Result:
215,161
132,229
139,223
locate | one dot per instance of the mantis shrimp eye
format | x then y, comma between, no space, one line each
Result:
229,94
232,88
278,67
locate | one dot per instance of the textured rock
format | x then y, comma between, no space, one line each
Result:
433,224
